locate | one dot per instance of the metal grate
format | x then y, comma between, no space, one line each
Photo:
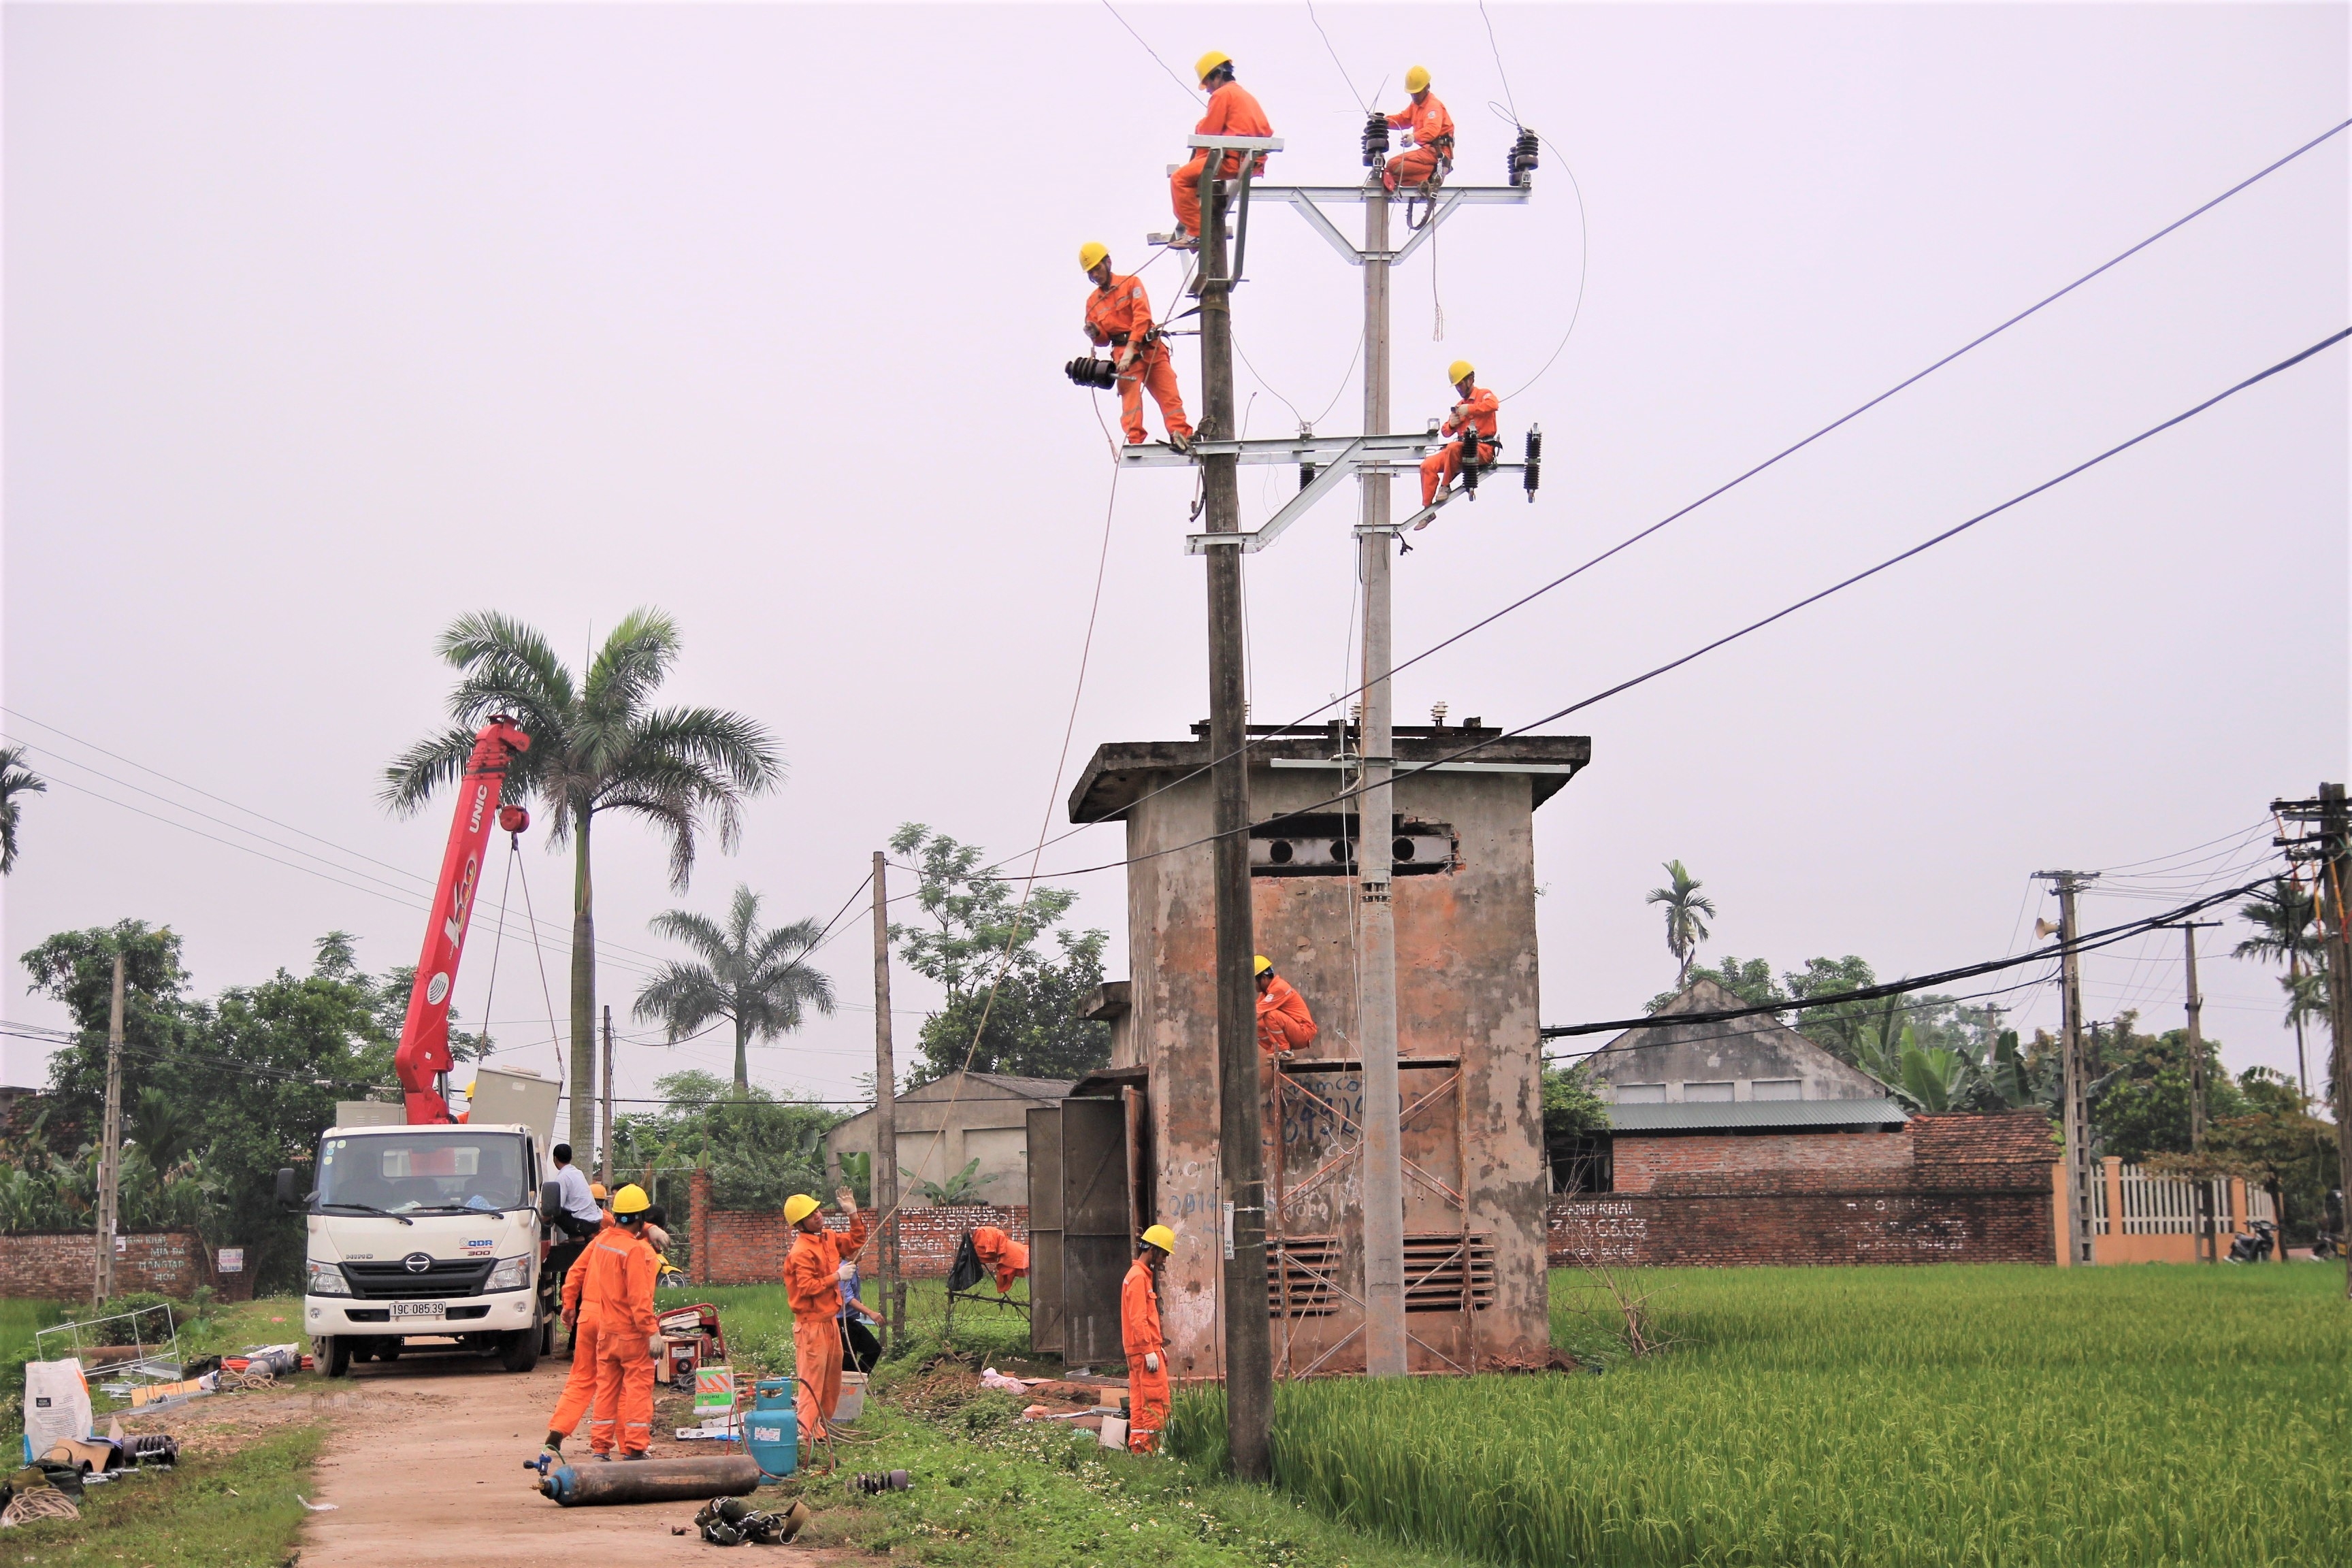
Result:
441,1277
1433,1272
1309,1265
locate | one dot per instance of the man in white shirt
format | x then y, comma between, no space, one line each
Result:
581,1217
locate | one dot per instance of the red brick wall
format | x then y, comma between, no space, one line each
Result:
1944,1189
61,1266
734,1248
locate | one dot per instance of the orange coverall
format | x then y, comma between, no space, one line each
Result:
812,1284
1232,112
1005,1257
1139,1331
1283,1022
612,1289
1431,130
1120,315
1440,467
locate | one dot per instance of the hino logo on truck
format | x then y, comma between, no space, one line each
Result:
417,1262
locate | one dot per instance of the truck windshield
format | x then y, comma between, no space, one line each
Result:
430,1169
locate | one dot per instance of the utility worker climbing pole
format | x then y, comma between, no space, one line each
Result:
1474,420
1232,112
812,1274
1001,1256
1119,315
1284,1025
608,1299
1147,1348
1428,137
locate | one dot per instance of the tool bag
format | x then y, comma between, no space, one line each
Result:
966,1272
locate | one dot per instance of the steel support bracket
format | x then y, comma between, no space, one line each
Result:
1448,198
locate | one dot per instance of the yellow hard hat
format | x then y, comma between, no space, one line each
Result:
1160,1237
1211,61
1459,371
798,1207
1262,965
631,1199
596,1190
1092,254
1417,79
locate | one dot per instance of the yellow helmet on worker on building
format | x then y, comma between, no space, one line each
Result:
1092,254
1459,370
1160,1237
1209,62
631,1199
1261,964
798,1207
1417,79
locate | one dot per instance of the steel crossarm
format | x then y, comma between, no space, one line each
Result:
1448,498
1289,450
1306,199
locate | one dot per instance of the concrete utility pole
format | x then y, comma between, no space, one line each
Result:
2208,1249
2076,1117
1376,997
607,1113
110,1166
2335,872
1249,1353
882,1189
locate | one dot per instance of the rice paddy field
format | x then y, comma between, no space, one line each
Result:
1952,1417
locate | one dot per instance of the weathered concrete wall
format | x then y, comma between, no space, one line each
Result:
60,1265
734,1246
1737,1052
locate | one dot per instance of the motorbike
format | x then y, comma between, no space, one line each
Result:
2255,1245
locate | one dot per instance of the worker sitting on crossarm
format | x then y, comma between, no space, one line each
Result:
813,1276
1001,1256
1284,1025
1119,316
1428,136
609,1302
1232,112
1147,1348
1474,419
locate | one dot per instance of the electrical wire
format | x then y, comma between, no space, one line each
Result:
1335,59
1191,92
1497,51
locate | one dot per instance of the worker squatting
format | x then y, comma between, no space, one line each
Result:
1119,311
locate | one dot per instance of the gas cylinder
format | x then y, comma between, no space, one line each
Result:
771,1428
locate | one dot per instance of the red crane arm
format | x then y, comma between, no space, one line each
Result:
423,1053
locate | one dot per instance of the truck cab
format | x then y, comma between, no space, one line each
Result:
427,1233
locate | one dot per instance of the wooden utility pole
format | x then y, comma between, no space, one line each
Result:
109,1163
607,1117
2075,1116
2208,1245
882,1188
1249,1356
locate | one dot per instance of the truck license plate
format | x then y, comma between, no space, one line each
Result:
423,1311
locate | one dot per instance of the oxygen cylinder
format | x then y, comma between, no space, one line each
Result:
652,1480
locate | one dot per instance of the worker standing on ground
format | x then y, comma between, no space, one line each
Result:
1284,1025
1232,112
611,1308
1001,1255
1474,413
813,1276
1119,316
1428,137
1147,1348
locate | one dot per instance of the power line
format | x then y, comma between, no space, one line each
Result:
1335,59
1189,92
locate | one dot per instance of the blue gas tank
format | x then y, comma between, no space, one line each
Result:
772,1427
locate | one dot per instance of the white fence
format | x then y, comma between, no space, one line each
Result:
2167,1205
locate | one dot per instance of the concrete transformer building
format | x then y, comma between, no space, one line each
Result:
1138,1141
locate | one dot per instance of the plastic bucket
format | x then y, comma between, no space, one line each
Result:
852,1404
1114,1432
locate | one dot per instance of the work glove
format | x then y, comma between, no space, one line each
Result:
848,1200
846,1272
1152,1360
656,1345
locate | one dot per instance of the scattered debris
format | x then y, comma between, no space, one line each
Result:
881,1481
731,1521
309,1506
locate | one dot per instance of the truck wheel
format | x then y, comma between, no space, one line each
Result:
522,1351
337,1360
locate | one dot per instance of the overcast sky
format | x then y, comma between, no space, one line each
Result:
324,325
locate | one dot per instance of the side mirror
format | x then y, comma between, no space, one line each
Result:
551,1201
286,1195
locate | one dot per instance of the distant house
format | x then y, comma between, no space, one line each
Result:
953,1121
1729,1062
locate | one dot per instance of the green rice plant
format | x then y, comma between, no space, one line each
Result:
1961,1417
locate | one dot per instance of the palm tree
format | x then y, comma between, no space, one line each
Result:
15,779
752,978
2284,924
1686,917
597,745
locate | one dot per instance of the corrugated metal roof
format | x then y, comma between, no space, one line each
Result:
1748,1114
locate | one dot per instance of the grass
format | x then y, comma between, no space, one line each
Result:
1976,1417
757,1321
235,1512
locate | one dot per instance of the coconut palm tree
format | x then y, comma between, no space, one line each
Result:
753,979
1686,916
2286,931
598,746
15,779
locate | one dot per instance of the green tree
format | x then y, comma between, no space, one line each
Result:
759,1147
2141,1106
1011,1007
598,746
754,980
1751,981
15,779
1687,912
2286,932
2271,1139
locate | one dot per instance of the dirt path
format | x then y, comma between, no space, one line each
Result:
424,1465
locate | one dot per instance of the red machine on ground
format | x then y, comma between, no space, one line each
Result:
422,1061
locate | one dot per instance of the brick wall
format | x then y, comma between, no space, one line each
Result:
735,1247
61,1265
1944,1189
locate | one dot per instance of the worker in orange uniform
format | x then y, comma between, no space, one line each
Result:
1474,413
813,1276
1119,315
1232,112
608,1299
1001,1256
1428,136
1147,1348
1284,1025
